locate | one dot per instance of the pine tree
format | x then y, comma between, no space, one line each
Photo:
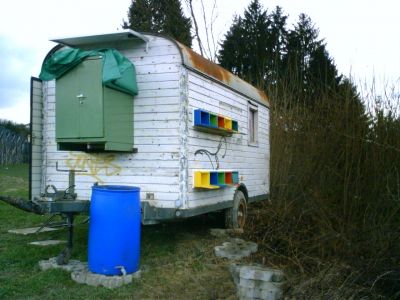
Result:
140,16
243,51
230,55
276,46
160,16
261,50
301,44
254,46
321,74
308,64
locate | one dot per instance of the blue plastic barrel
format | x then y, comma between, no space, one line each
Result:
114,229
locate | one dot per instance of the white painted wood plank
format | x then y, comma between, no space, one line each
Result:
139,101
156,132
36,140
157,141
153,50
156,114
158,85
156,109
138,109
159,77
132,160
158,93
251,162
160,180
142,60
156,69
170,124
155,101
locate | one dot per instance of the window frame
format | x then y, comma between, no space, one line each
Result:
253,124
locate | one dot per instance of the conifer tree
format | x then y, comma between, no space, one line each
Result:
261,50
243,50
231,53
254,45
160,16
276,46
311,69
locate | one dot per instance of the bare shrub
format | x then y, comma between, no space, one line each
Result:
335,193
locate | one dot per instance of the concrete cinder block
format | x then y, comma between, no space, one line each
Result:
247,283
111,282
244,292
47,243
51,263
235,249
32,230
91,280
249,293
242,244
260,273
219,232
259,284
234,269
81,274
78,277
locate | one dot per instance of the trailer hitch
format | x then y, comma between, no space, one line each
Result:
65,203
56,202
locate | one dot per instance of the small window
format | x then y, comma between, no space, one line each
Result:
253,125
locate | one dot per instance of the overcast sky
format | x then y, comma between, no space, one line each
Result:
363,36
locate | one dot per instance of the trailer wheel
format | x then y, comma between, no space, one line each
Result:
236,216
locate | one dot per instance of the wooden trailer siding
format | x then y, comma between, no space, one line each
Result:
172,82
36,137
155,168
252,162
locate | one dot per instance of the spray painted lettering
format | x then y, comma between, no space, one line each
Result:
94,164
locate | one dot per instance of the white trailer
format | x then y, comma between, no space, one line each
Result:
186,108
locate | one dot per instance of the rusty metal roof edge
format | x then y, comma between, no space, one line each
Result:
236,84
259,99
199,64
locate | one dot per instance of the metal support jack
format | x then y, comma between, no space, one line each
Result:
64,202
65,255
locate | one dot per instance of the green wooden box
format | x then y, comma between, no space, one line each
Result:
89,115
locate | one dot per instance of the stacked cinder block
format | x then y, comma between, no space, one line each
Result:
81,274
255,282
72,266
86,277
235,249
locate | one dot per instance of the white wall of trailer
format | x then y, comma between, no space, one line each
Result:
155,168
36,136
252,161
163,134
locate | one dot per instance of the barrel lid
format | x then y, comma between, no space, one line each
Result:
116,188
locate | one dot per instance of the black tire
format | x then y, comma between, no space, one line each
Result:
235,217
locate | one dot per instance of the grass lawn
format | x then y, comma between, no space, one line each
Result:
176,258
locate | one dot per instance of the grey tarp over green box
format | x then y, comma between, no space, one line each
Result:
118,72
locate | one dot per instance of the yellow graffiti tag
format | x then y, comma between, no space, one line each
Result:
94,164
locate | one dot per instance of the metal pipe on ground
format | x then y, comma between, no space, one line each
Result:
23,204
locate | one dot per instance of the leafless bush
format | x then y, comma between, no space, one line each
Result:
335,192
